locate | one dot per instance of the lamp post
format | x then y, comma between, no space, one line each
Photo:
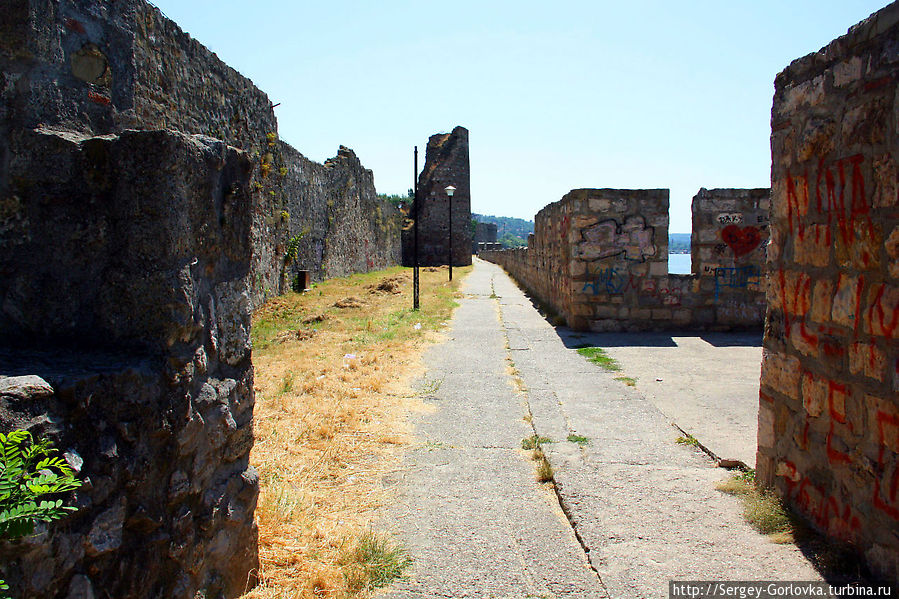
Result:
449,192
415,213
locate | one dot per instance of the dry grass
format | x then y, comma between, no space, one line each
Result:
330,421
763,510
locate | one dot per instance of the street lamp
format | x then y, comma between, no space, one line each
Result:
449,191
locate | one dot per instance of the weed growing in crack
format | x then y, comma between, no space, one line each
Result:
688,440
600,357
579,439
627,380
544,469
534,442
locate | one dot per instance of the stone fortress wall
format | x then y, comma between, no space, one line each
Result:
100,68
829,401
599,258
446,163
146,205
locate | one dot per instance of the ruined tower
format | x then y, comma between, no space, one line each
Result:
446,163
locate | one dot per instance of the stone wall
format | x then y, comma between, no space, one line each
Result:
483,233
446,163
599,258
829,400
96,67
330,213
125,324
100,67
728,247
133,245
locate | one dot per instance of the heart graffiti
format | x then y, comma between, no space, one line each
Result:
741,240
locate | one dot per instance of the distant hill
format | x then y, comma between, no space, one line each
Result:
679,242
513,232
510,231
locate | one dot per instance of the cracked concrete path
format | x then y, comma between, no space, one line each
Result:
673,371
641,510
469,509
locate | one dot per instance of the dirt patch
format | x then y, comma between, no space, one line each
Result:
297,335
389,285
315,318
349,302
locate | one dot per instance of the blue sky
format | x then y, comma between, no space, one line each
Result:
556,96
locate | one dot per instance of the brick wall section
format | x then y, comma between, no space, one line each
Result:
446,163
727,247
829,399
599,258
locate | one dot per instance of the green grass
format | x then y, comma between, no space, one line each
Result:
627,380
376,563
598,356
534,442
688,440
579,439
287,383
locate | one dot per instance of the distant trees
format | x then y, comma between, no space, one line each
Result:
511,232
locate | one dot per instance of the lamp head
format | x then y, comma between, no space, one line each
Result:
450,190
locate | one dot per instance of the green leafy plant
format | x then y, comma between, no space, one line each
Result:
29,474
293,246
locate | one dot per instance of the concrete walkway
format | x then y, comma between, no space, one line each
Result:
641,510
708,385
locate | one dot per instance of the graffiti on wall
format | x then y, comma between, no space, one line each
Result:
633,240
741,240
735,278
616,281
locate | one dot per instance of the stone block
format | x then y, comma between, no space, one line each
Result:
882,316
867,359
847,71
846,308
766,438
658,268
822,300
891,245
813,246
780,373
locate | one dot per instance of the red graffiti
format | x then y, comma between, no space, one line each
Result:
668,296
877,314
849,218
837,413
835,456
797,203
800,304
742,240
98,98
75,26
887,422
566,222
872,85
827,511
858,303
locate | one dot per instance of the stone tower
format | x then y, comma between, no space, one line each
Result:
446,163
